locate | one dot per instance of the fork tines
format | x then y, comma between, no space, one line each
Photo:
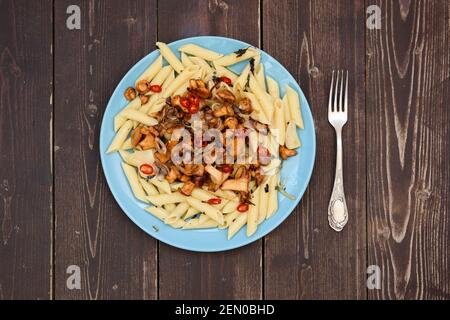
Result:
338,104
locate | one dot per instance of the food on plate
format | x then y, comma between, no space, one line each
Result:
204,145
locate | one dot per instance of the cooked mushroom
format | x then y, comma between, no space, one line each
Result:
162,157
187,188
231,123
173,174
240,184
136,136
142,86
185,178
130,93
199,88
217,177
226,95
144,98
245,105
198,170
286,153
148,142
225,110
199,181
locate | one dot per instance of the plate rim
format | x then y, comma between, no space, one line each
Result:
292,205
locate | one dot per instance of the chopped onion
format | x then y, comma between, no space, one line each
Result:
160,146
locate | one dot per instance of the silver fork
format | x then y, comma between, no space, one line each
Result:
337,116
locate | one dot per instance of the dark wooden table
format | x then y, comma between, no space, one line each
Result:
56,209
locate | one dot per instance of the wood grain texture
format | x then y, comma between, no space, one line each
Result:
116,258
408,89
304,257
25,144
225,275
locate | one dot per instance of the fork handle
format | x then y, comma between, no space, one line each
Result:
337,209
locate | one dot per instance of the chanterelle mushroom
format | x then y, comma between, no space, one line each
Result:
286,153
198,87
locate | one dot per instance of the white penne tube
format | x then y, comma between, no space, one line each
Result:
198,51
273,88
197,223
226,194
177,213
230,206
177,224
161,76
162,185
294,106
152,70
292,139
202,63
170,57
258,113
120,136
185,60
140,117
237,225
278,127
137,158
119,119
253,215
260,76
272,204
241,81
257,59
202,195
145,108
263,201
190,213
287,112
233,58
160,213
229,218
162,199
170,207
209,210
176,186
178,81
170,78
157,106
127,145
133,180
263,98
183,88
148,187
224,72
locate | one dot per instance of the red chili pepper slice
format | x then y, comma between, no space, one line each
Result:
214,201
193,109
242,207
155,88
146,169
226,80
184,102
227,168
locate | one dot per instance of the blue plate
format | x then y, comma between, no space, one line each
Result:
296,170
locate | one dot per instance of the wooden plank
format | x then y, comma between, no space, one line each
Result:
25,143
408,151
304,257
228,275
116,258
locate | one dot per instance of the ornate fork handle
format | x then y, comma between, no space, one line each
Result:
337,209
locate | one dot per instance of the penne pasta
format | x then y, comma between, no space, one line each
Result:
178,81
253,214
273,88
260,77
200,52
159,213
170,57
119,119
170,207
263,98
294,107
148,187
202,63
236,57
241,81
224,72
162,185
278,128
263,201
127,145
258,113
190,213
272,204
229,218
138,116
152,70
292,139
177,213
237,225
185,60
287,112
209,210
133,180
230,206
161,76
120,137
162,199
